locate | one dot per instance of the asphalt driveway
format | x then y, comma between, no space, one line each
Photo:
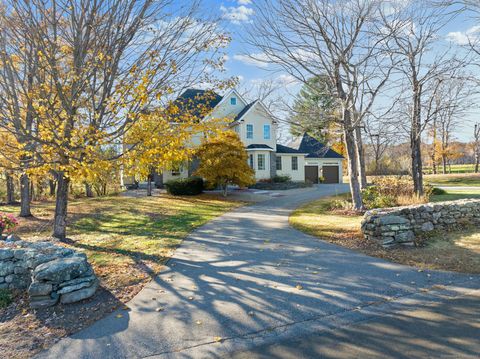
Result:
248,285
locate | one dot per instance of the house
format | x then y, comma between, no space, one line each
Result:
303,159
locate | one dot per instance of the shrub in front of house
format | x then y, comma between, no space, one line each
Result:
185,186
281,179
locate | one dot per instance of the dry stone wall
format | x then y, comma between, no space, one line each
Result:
50,273
401,225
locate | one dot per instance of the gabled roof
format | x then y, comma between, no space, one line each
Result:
200,97
286,149
314,148
244,111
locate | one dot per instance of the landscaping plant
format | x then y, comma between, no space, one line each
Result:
7,222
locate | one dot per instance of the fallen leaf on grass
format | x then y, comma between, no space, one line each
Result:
119,316
218,339
299,286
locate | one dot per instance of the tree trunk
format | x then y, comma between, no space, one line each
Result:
149,186
444,164
61,202
32,191
88,190
25,196
52,186
225,190
10,189
353,169
477,160
360,158
415,143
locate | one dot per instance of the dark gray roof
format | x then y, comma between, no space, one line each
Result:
195,97
314,148
244,111
286,149
259,146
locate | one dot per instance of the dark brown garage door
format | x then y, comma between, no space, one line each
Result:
311,174
330,174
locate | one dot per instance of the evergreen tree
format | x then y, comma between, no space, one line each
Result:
313,110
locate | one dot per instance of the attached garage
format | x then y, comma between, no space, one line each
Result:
331,174
311,174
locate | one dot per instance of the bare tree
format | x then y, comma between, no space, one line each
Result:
414,28
312,38
380,134
476,146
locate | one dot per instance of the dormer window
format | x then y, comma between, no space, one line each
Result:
233,101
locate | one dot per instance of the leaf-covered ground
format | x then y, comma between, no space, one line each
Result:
126,239
456,251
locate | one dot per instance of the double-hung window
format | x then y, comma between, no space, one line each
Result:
294,163
233,101
250,161
278,160
266,132
261,162
250,131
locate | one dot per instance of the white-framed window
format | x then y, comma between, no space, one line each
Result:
294,163
261,162
266,132
250,161
249,131
278,161
177,170
233,101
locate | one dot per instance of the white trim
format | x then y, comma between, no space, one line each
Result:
251,108
224,98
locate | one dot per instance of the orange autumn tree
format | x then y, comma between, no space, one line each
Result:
97,68
223,161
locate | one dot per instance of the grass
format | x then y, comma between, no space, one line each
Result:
127,240
464,168
5,298
455,251
454,194
456,180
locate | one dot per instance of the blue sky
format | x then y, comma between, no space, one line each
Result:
238,14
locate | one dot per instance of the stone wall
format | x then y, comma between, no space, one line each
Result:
401,225
50,273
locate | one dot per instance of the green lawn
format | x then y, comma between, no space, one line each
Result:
460,180
455,194
457,251
126,239
466,168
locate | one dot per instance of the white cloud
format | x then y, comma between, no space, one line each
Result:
465,37
259,59
238,14
286,80
244,2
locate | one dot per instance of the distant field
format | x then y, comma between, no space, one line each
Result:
460,180
469,168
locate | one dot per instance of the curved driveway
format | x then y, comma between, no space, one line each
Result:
246,282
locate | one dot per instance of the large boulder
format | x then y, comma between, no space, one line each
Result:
62,269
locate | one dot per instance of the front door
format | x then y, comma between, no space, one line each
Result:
330,174
311,174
